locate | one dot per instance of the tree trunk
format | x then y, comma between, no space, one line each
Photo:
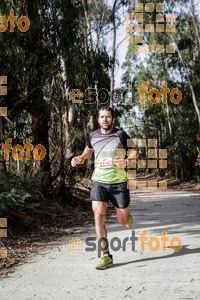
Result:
113,56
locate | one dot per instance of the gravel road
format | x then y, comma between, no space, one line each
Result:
157,273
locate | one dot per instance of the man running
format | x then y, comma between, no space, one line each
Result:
109,176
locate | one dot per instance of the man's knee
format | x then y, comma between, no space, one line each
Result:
99,217
99,210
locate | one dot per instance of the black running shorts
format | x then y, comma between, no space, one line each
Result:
117,194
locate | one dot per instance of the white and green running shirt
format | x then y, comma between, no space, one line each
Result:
105,151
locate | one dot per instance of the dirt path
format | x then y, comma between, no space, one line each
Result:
61,273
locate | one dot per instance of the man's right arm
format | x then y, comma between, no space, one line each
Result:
79,160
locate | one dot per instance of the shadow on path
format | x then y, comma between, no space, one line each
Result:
176,211
184,251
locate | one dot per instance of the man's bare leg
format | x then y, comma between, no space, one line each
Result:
99,209
123,215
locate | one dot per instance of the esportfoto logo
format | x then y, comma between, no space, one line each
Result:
23,23
153,243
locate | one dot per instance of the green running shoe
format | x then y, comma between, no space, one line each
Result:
105,262
130,222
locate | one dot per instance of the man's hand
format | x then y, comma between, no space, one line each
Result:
78,160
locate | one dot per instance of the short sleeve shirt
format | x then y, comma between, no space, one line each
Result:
105,152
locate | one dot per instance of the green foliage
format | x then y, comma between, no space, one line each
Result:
32,185
13,199
17,194
176,126
5,184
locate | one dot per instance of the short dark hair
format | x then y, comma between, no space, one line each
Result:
108,108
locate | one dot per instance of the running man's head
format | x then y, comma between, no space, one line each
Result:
106,118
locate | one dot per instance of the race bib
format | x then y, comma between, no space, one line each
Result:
105,164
